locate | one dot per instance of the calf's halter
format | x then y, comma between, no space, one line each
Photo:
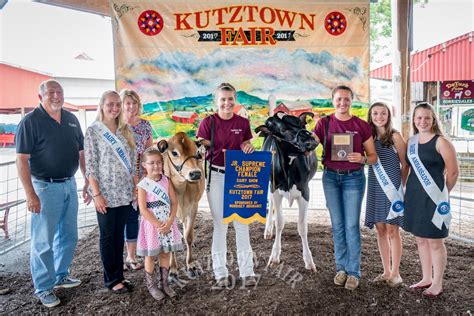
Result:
293,141
197,156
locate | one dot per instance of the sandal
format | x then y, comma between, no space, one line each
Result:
128,285
133,265
122,290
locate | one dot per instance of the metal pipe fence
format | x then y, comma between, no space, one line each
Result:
15,219
18,221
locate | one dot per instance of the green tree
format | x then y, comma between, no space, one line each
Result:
381,28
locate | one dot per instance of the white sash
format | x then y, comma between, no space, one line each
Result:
395,196
442,213
156,189
115,143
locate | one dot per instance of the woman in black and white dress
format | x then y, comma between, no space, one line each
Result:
391,151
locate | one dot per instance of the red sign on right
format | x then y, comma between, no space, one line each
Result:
457,92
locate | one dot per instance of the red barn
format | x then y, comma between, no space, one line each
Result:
295,108
184,117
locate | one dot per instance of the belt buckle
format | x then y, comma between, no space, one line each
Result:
341,172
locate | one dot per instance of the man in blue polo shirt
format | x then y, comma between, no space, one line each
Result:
49,146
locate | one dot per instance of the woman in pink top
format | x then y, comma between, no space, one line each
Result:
344,183
232,132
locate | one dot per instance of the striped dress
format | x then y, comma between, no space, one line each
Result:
378,205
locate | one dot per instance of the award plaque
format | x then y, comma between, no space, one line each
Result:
342,144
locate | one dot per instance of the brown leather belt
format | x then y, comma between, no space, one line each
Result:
342,171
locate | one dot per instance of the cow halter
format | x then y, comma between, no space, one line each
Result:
294,141
179,168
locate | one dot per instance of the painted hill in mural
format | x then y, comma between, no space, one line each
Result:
200,104
185,114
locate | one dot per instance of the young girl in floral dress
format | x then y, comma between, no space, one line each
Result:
158,233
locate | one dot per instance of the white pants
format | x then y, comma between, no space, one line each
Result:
215,197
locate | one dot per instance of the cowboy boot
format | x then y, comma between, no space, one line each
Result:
157,275
164,282
152,286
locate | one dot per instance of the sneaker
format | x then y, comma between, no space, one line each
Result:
67,283
249,281
380,278
352,283
397,281
340,278
48,299
221,284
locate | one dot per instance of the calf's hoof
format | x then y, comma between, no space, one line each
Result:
311,267
193,272
173,278
267,235
273,263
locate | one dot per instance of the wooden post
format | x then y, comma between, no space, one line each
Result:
402,12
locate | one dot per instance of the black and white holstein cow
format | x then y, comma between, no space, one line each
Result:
294,165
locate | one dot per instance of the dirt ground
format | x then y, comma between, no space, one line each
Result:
288,289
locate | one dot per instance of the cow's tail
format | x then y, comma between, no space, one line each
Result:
269,225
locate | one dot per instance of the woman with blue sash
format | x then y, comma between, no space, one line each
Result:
433,174
110,159
384,207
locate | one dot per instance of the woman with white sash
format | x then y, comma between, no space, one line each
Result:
433,173
384,207
109,151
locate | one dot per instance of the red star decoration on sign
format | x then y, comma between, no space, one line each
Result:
335,23
150,22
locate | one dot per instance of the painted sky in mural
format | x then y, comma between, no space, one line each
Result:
288,54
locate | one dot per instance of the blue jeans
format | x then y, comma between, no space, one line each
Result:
131,227
53,233
344,194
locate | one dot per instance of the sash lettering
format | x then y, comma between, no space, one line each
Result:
442,212
156,189
111,140
395,196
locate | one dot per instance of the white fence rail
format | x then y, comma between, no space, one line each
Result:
15,218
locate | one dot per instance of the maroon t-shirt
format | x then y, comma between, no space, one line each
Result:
228,134
360,129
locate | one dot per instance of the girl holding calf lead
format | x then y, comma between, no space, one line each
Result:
226,130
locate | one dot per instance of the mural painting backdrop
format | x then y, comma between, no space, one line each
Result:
286,55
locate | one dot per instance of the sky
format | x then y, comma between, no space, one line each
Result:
441,20
47,38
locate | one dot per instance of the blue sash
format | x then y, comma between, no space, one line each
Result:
395,196
442,213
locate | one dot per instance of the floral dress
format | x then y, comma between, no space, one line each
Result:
141,132
150,241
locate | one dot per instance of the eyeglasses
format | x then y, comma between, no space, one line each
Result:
152,163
